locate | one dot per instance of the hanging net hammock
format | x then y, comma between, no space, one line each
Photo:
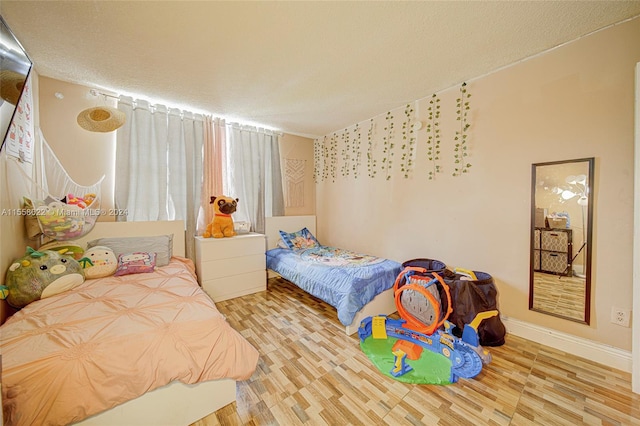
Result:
63,209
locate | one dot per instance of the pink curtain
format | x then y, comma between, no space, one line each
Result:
212,172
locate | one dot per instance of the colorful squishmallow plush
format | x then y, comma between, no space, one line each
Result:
98,262
222,223
40,274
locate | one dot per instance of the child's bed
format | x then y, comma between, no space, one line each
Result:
148,348
357,285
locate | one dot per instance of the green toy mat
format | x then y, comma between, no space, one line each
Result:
431,368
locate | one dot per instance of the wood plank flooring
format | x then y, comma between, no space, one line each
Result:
559,295
311,373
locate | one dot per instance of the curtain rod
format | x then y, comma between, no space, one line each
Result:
94,92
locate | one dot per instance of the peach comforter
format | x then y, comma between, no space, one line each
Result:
112,339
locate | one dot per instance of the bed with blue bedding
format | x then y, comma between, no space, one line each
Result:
344,279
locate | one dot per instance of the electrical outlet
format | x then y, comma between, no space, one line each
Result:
621,316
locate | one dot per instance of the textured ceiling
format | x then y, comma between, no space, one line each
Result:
307,68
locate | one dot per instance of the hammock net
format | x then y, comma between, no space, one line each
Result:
63,209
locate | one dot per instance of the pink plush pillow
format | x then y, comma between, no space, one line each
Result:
135,263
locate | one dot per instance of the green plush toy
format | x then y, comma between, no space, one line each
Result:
40,274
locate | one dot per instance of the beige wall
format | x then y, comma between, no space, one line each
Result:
13,186
298,148
573,102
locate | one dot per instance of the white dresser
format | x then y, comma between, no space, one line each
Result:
232,266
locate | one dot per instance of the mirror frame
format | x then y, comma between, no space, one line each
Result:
13,58
589,237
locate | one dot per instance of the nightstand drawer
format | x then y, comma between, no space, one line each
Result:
224,248
235,286
233,266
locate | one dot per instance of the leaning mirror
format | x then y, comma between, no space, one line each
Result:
561,244
14,70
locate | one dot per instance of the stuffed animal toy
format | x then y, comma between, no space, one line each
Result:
98,262
222,223
40,274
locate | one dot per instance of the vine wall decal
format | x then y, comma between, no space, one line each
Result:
433,137
408,142
316,160
388,145
460,147
346,154
333,156
325,155
346,151
372,163
357,154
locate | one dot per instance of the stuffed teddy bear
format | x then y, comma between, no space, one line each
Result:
222,223
40,274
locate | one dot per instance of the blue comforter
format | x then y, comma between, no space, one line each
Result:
344,279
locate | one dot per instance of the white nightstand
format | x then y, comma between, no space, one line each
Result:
232,266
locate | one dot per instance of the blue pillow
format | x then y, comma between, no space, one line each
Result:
301,239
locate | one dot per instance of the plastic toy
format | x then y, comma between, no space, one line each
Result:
401,367
82,202
400,343
222,223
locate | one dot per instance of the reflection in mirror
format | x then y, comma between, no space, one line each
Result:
561,228
14,70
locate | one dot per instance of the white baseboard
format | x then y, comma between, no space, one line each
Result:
578,346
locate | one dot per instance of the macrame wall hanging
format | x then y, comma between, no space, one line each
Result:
294,178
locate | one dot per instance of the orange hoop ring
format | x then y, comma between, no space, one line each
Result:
412,322
401,275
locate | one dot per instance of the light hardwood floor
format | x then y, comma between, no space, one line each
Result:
311,373
559,295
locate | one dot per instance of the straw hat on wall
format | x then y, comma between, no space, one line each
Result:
11,84
101,119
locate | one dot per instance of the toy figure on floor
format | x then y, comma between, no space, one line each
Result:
222,223
396,346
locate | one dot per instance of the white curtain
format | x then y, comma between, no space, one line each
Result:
253,174
159,165
212,173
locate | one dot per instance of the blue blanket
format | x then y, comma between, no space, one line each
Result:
344,279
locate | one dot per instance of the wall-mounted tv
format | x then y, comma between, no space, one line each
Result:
15,66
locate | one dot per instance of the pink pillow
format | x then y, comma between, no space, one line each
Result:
135,263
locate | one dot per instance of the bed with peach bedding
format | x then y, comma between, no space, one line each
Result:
111,340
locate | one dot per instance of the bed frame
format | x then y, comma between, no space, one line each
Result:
382,304
176,403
